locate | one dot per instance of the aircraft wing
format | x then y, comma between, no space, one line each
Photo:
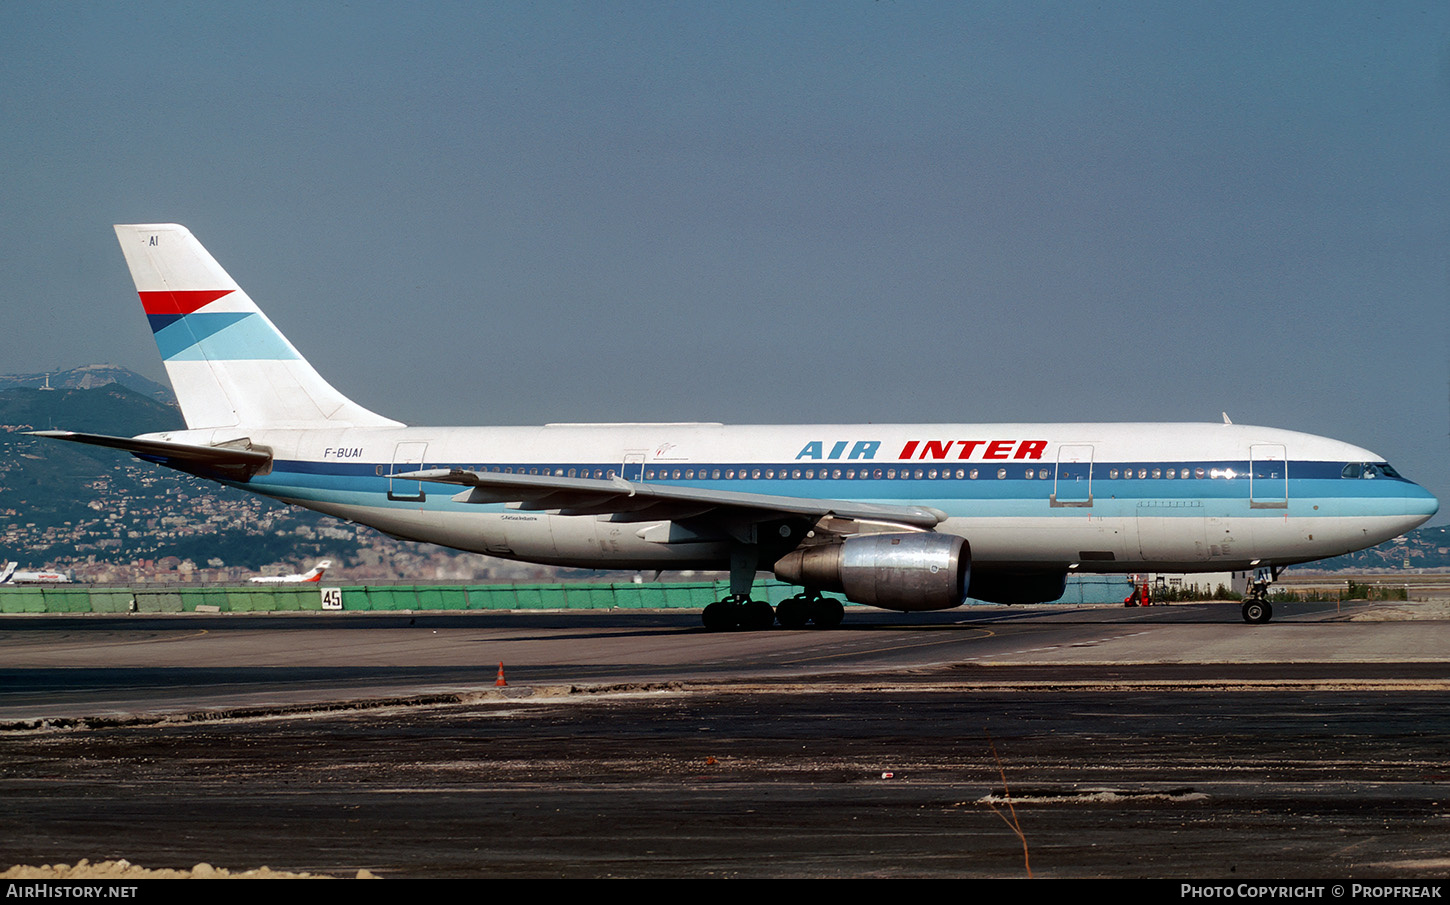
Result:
637,501
237,463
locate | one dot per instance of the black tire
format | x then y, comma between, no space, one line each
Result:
827,612
720,616
756,616
793,612
1257,612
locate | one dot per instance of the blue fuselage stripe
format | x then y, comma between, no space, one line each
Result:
1312,488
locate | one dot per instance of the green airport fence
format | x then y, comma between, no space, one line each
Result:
385,598
23,600
377,598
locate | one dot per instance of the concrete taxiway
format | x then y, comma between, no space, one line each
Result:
1165,742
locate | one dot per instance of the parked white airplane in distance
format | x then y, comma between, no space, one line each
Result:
10,573
313,574
904,517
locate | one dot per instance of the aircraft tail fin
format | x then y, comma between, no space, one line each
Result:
7,570
229,365
315,573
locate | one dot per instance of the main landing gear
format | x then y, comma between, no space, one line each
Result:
810,607
740,612
1256,607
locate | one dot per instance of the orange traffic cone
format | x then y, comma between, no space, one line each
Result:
500,683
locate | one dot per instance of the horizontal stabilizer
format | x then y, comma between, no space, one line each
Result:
233,463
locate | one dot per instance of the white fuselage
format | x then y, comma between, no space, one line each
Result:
1086,497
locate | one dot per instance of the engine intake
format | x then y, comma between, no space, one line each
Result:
907,572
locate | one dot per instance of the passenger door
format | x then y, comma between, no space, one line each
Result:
1268,476
1073,485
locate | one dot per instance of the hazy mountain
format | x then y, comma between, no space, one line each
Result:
89,377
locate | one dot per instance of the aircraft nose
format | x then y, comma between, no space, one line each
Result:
1428,504
1420,505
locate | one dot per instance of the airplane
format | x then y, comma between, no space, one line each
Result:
312,575
11,574
896,516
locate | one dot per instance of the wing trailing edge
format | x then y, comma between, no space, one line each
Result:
638,501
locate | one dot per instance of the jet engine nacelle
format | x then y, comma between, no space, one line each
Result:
919,571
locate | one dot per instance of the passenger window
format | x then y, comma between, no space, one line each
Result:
1001,473
972,474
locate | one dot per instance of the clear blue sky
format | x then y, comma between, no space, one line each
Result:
765,212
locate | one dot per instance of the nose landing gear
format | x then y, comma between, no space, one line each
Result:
1256,609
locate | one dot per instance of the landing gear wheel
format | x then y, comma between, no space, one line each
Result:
738,612
827,612
756,615
793,612
720,616
1257,612
1256,602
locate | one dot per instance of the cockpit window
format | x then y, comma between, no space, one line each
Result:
1369,470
